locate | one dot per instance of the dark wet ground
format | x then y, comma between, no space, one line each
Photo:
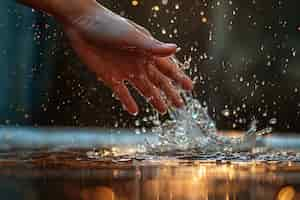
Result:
71,176
48,171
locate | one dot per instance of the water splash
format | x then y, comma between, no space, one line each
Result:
192,128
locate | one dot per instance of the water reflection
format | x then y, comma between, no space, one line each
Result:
286,193
154,180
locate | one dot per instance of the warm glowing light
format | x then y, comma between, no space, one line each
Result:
156,8
286,193
201,172
134,3
204,20
106,153
98,193
227,196
131,151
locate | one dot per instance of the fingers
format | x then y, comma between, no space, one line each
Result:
171,70
164,83
150,92
125,97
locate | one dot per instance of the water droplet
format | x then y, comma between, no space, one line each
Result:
273,121
134,3
164,2
226,113
204,20
155,8
137,122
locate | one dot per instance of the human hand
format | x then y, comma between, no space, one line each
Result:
101,26
119,51
148,74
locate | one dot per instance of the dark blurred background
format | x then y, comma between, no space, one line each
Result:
244,59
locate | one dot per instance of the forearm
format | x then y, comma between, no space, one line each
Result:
61,9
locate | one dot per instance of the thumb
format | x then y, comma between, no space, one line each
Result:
141,39
155,47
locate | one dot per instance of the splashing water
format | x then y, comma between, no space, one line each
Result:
192,128
189,128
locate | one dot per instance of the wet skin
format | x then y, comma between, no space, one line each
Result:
119,51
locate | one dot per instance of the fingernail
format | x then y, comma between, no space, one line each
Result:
188,87
180,103
163,112
162,109
134,113
170,45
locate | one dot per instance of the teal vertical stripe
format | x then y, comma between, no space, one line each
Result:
21,50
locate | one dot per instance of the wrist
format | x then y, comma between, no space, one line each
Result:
64,10
67,12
